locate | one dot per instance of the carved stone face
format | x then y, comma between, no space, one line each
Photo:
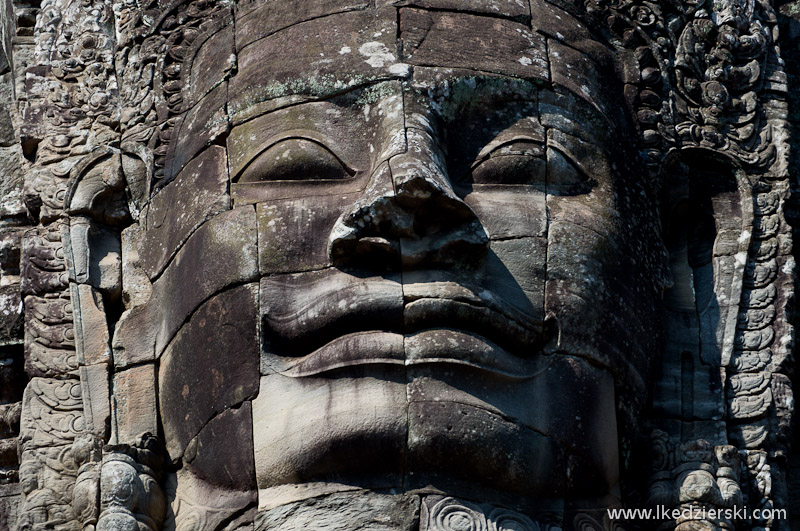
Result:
450,274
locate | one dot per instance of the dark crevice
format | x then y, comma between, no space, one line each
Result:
404,470
237,515
398,36
515,238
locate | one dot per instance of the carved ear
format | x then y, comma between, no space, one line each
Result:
137,168
707,221
92,183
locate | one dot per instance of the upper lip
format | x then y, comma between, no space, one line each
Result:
373,320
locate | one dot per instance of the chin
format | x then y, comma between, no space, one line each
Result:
440,426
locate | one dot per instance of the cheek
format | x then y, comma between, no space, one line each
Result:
597,285
509,211
293,233
584,243
515,219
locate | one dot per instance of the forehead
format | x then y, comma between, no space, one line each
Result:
318,49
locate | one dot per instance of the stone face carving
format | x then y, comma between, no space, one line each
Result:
401,265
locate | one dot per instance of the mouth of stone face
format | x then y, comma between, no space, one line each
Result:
433,323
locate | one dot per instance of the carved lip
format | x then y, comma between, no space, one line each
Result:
431,322
435,346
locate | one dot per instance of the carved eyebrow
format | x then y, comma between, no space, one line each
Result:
500,143
454,96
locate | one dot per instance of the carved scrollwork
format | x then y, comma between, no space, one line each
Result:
130,496
450,514
151,61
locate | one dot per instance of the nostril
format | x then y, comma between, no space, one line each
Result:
377,241
442,214
385,227
368,252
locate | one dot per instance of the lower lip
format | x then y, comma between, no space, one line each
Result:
435,346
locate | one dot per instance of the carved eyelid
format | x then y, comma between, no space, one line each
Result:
296,135
567,154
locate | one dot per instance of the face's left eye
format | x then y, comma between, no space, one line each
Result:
296,159
524,162
519,162
564,177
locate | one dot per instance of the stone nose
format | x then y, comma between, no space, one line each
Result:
409,218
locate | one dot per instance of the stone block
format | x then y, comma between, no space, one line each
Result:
435,38
198,504
208,63
220,253
452,444
587,271
558,24
134,403
517,10
7,30
583,423
517,268
210,366
293,234
7,133
11,315
91,325
197,193
11,499
339,52
222,452
205,122
356,511
588,79
570,114
96,396
136,286
94,256
345,430
266,18
512,212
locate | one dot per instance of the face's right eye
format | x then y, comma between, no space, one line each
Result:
296,159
